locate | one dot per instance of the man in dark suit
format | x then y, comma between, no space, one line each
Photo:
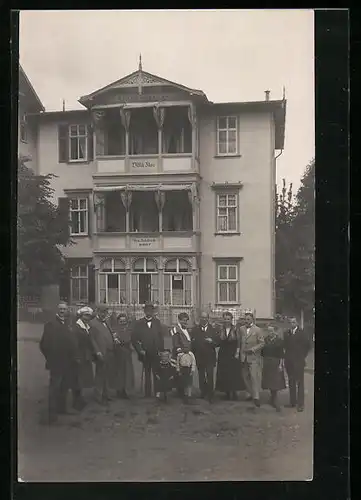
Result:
297,346
59,349
204,342
147,336
104,348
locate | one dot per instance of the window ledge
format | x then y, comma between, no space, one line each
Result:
224,259
235,233
111,157
79,235
227,304
78,162
217,157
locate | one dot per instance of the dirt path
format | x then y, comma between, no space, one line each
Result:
144,441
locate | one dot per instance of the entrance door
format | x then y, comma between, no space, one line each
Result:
144,288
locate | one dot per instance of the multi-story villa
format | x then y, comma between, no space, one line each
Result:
171,197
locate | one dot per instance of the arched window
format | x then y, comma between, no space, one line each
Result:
178,283
112,282
145,281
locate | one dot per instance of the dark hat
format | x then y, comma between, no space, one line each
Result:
149,305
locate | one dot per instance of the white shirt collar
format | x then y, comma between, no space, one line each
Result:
83,325
185,331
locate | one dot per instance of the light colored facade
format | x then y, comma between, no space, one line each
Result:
171,197
28,103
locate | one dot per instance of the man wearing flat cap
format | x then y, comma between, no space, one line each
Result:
147,336
103,340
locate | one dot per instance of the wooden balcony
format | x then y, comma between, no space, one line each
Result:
144,164
169,242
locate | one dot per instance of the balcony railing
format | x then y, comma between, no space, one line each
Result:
168,241
146,139
144,164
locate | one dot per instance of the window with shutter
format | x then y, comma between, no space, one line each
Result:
63,150
79,216
79,283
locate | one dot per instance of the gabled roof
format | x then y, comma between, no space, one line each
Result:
138,79
23,79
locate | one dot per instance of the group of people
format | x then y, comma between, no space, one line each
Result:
98,353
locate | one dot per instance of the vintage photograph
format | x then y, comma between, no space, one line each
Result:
165,226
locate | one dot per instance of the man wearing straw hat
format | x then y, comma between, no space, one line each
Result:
147,336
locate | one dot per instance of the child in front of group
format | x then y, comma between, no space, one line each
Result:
164,374
186,365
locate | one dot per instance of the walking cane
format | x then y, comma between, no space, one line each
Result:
142,379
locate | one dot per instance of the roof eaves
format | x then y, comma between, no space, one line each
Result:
41,106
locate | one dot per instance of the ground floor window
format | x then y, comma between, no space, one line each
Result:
79,283
227,282
112,282
145,281
177,283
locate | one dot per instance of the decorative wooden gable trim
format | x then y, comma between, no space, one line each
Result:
138,80
139,77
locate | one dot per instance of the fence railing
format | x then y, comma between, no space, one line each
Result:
29,309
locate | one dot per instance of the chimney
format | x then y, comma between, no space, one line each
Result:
63,104
267,93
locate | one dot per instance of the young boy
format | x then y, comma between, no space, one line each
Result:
186,365
165,372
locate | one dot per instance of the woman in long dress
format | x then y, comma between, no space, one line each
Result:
229,369
85,355
124,370
273,377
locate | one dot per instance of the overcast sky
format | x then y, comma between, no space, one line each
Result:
232,55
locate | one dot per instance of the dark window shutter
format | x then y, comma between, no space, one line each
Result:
90,216
63,206
90,143
64,282
63,143
91,284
